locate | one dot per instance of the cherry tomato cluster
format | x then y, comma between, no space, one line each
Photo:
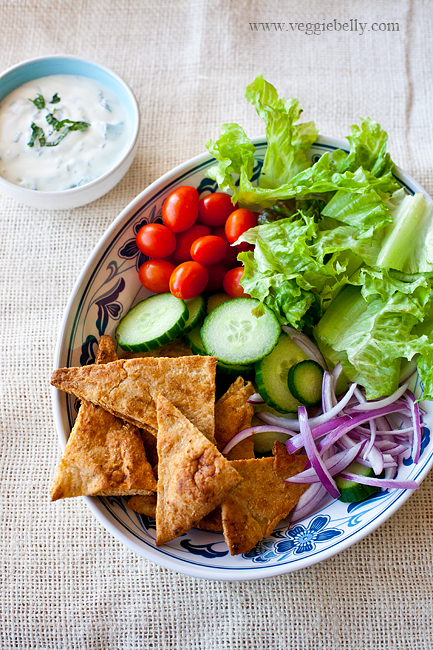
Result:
191,252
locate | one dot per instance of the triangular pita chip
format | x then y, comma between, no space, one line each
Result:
128,388
212,521
144,504
234,414
255,507
193,477
104,455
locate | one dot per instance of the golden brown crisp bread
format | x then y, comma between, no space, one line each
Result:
144,504
128,388
193,477
104,455
234,414
255,507
173,349
212,521
149,442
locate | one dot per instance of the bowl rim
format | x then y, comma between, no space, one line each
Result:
27,192
157,555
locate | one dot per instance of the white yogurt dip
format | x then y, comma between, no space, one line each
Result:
81,156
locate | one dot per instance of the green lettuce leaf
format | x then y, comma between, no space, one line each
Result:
367,211
408,240
367,150
370,338
234,152
287,142
283,272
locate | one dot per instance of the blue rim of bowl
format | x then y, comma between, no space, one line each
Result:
97,506
109,73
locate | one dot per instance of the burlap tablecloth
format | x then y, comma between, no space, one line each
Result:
65,581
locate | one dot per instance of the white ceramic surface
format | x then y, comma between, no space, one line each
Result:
77,196
106,289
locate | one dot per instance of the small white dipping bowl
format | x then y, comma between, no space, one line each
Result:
71,65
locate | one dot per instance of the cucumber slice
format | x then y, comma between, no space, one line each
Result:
263,442
216,299
272,373
247,372
194,341
305,382
351,491
196,310
152,323
233,335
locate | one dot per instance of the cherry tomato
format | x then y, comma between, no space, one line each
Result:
232,285
208,250
238,222
216,276
214,209
180,208
155,275
156,240
184,241
230,256
188,280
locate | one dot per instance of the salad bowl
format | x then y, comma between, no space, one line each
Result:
107,288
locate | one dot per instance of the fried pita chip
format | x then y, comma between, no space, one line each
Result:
104,455
149,442
212,521
234,414
128,388
193,477
144,504
255,507
173,349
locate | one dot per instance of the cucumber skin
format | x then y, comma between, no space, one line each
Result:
261,382
191,341
268,399
198,320
350,491
357,493
292,381
154,344
247,372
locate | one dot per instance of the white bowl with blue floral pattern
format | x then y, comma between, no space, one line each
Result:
106,289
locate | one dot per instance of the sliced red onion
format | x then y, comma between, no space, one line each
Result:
367,463
371,406
313,455
308,501
256,398
390,473
376,459
416,448
335,464
379,482
246,433
329,399
313,422
382,423
306,345
336,428
332,437
390,447
337,372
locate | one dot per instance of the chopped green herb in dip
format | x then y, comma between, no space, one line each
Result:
60,132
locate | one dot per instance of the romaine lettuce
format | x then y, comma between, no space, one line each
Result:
341,249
